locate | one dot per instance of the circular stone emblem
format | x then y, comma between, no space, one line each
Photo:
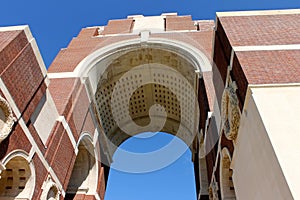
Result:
230,112
6,119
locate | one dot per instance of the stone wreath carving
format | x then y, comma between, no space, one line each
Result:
6,119
50,190
230,111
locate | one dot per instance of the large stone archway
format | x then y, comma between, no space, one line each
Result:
164,72
116,80
143,82
126,83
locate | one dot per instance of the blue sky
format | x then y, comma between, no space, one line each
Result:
54,23
174,182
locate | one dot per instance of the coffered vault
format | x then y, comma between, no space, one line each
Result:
141,78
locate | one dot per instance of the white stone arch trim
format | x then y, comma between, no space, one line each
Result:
25,155
191,53
225,164
9,120
48,185
15,153
201,62
87,138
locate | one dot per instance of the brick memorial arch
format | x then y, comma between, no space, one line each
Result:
136,82
133,88
218,86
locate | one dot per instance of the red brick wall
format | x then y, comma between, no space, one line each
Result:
11,43
31,106
239,77
61,91
210,89
221,61
262,29
101,185
174,23
88,32
41,174
36,137
118,26
16,140
200,40
256,67
53,141
86,43
24,80
63,159
267,67
80,110
72,102
88,125
23,77
78,49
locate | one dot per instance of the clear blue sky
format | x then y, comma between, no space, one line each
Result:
174,182
54,23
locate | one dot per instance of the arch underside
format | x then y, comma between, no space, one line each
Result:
83,179
180,111
16,180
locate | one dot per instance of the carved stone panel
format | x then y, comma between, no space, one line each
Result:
6,119
230,111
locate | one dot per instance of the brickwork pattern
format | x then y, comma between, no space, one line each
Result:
40,176
16,140
118,26
88,32
175,23
256,67
11,43
23,78
78,49
262,29
270,67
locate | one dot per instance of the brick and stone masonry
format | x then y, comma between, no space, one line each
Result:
52,139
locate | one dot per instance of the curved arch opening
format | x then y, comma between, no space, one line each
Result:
226,183
83,179
53,193
145,89
196,55
137,87
176,181
17,180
